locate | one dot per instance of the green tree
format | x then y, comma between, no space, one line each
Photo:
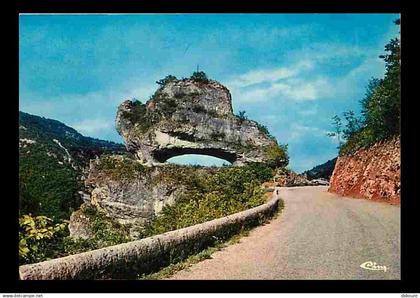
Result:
199,76
338,130
242,117
381,106
167,79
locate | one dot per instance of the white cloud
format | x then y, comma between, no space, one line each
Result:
331,53
299,131
289,89
93,126
270,75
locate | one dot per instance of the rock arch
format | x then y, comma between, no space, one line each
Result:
165,154
190,117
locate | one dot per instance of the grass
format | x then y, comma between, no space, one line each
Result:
170,270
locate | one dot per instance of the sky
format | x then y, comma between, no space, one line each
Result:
290,72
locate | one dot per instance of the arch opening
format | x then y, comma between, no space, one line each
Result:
198,159
209,154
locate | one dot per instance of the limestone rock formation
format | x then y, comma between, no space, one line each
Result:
130,193
192,117
182,117
371,173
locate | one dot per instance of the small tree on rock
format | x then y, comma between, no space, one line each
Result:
167,79
199,76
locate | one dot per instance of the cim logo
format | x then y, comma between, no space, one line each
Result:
373,266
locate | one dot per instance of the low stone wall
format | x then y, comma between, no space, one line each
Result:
129,260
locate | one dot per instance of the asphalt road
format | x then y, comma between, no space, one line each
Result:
318,235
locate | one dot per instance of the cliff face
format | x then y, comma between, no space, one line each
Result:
131,193
372,173
190,117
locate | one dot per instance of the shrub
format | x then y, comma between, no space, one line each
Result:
198,109
199,76
216,136
277,155
242,117
212,195
381,108
167,106
40,238
106,232
167,79
120,167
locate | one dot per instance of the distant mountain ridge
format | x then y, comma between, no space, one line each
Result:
46,130
53,160
324,170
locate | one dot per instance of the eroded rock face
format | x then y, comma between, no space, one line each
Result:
189,117
372,173
130,193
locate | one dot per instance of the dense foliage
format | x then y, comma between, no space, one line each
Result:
40,238
52,157
277,155
381,107
228,190
199,76
210,193
45,186
140,116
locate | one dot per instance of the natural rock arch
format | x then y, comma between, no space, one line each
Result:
192,117
165,154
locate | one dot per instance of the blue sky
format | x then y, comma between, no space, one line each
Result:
290,72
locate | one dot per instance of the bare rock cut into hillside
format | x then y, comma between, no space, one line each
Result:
372,173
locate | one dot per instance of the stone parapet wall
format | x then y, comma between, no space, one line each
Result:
131,260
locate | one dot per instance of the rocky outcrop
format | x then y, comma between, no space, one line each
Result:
192,117
372,173
183,116
130,193
287,178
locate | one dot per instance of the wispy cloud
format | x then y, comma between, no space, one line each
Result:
270,75
299,131
93,127
92,113
290,83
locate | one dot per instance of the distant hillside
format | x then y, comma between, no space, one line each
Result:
324,170
53,158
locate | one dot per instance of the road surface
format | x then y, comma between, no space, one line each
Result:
318,235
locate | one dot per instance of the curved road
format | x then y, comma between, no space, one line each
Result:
318,235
